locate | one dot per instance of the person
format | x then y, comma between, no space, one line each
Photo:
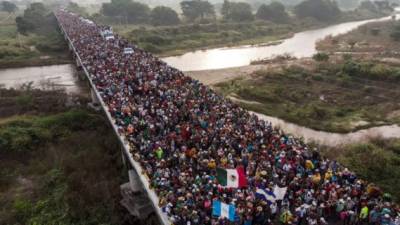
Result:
181,132
364,215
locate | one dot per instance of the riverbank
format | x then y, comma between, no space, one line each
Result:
320,96
33,49
373,39
180,39
49,173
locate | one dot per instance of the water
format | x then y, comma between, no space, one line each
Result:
333,139
43,77
302,44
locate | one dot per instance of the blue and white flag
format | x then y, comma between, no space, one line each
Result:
279,192
266,195
223,210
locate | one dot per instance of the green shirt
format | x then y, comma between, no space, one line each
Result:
364,212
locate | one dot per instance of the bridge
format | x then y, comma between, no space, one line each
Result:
218,157
138,198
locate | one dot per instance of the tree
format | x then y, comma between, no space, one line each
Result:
35,16
237,11
274,12
75,8
162,15
325,10
126,10
321,57
368,5
23,26
8,7
195,9
225,8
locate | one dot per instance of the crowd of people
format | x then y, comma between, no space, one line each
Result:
181,131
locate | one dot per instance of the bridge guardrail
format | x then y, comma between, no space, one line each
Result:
146,185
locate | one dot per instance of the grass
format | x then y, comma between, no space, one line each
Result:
369,38
377,161
324,98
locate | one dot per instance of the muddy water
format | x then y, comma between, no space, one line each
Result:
333,139
43,77
302,44
64,76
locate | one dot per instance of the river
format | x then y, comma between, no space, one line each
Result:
333,139
43,77
302,44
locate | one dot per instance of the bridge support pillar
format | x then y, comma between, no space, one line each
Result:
93,95
124,158
138,205
134,181
78,64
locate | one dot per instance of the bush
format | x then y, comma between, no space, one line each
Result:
151,48
22,135
318,77
375,162
155,40
321,57
24,100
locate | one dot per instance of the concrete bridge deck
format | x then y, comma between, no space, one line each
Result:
137,199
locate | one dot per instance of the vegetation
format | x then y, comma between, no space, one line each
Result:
321,57
200,28
8,7
377,161
274,12
49,173
237,11
325,10
75,8
379,39
41,44
178,39
197,9
127,11
161,16
395,33
339,97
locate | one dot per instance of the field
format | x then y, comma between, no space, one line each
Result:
336,97
17,50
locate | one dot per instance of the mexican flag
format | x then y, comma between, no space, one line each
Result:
232,178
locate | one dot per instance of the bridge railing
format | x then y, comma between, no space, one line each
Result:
124,143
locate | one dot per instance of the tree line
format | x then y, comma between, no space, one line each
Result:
128,11
9,7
